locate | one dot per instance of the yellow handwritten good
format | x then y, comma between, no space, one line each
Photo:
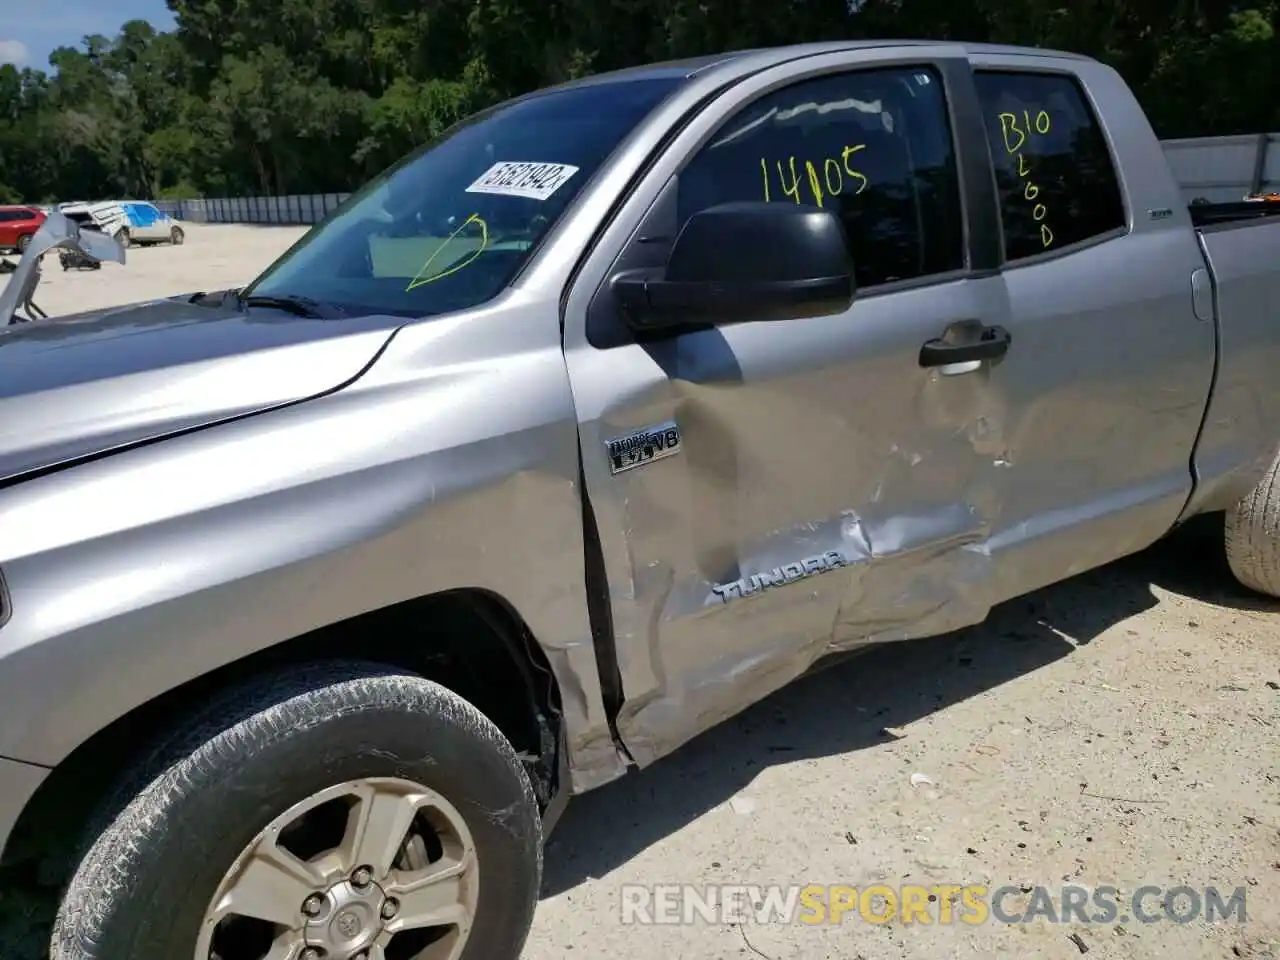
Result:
421,279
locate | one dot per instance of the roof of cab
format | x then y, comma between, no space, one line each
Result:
692,66
735,65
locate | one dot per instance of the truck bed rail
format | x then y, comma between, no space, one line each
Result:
1214,214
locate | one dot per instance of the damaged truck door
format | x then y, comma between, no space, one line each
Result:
780,466
1102,397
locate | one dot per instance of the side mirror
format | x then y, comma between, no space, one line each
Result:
746,261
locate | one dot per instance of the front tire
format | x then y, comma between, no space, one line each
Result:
24,241
125,238
405,775
176,236
1253,535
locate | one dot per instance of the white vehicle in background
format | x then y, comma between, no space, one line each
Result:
128,221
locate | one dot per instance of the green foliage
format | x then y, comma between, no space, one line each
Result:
302,96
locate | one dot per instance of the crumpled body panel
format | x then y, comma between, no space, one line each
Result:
72,387
134,573
828,493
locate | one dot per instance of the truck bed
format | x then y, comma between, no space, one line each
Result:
1205,215
1236,440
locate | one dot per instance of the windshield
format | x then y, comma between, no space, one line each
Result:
447,227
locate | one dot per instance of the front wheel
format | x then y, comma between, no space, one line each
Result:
1253,535
176,236
24,241
125,238
341,811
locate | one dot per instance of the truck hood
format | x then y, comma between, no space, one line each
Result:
76,386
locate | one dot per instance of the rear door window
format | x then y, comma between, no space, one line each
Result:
1053,168
874,146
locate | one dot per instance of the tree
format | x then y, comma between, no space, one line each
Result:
300,96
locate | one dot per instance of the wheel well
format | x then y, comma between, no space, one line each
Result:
470,641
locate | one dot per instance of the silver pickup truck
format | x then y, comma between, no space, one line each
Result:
579,430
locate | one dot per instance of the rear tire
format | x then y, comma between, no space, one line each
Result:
184,819
176,236
125,238
24,241
1253,535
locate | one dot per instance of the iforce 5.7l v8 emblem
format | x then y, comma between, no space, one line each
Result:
645,446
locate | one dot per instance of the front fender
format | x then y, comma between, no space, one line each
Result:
131,575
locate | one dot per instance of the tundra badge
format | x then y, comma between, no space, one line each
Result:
644,446
780,576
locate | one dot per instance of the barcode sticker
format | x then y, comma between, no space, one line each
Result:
537,181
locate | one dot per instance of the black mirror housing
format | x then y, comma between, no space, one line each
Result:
746,261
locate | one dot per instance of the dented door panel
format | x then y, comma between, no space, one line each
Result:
826,490
1113,368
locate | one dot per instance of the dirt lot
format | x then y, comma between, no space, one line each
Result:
212,258
1120,729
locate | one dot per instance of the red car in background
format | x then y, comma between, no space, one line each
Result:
17,224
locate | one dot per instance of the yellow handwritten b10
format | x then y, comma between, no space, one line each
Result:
1009,127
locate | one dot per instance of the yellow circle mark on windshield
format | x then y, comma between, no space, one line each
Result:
420,279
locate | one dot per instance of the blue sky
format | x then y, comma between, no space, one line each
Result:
40,26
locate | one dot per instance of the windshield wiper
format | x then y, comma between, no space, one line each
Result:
302,306
215,298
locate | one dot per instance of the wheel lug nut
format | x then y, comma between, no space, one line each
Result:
362,877
312,906
390,907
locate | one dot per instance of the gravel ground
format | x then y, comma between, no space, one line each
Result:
1121,729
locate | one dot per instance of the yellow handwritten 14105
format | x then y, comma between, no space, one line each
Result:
1015,136
829,177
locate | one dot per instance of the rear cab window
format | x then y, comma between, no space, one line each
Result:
873,145
1054,172
448,227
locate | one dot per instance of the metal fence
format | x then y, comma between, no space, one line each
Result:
296,209
1215,168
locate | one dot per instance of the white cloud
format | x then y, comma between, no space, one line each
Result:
13,51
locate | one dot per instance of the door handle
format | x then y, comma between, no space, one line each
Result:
993,342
